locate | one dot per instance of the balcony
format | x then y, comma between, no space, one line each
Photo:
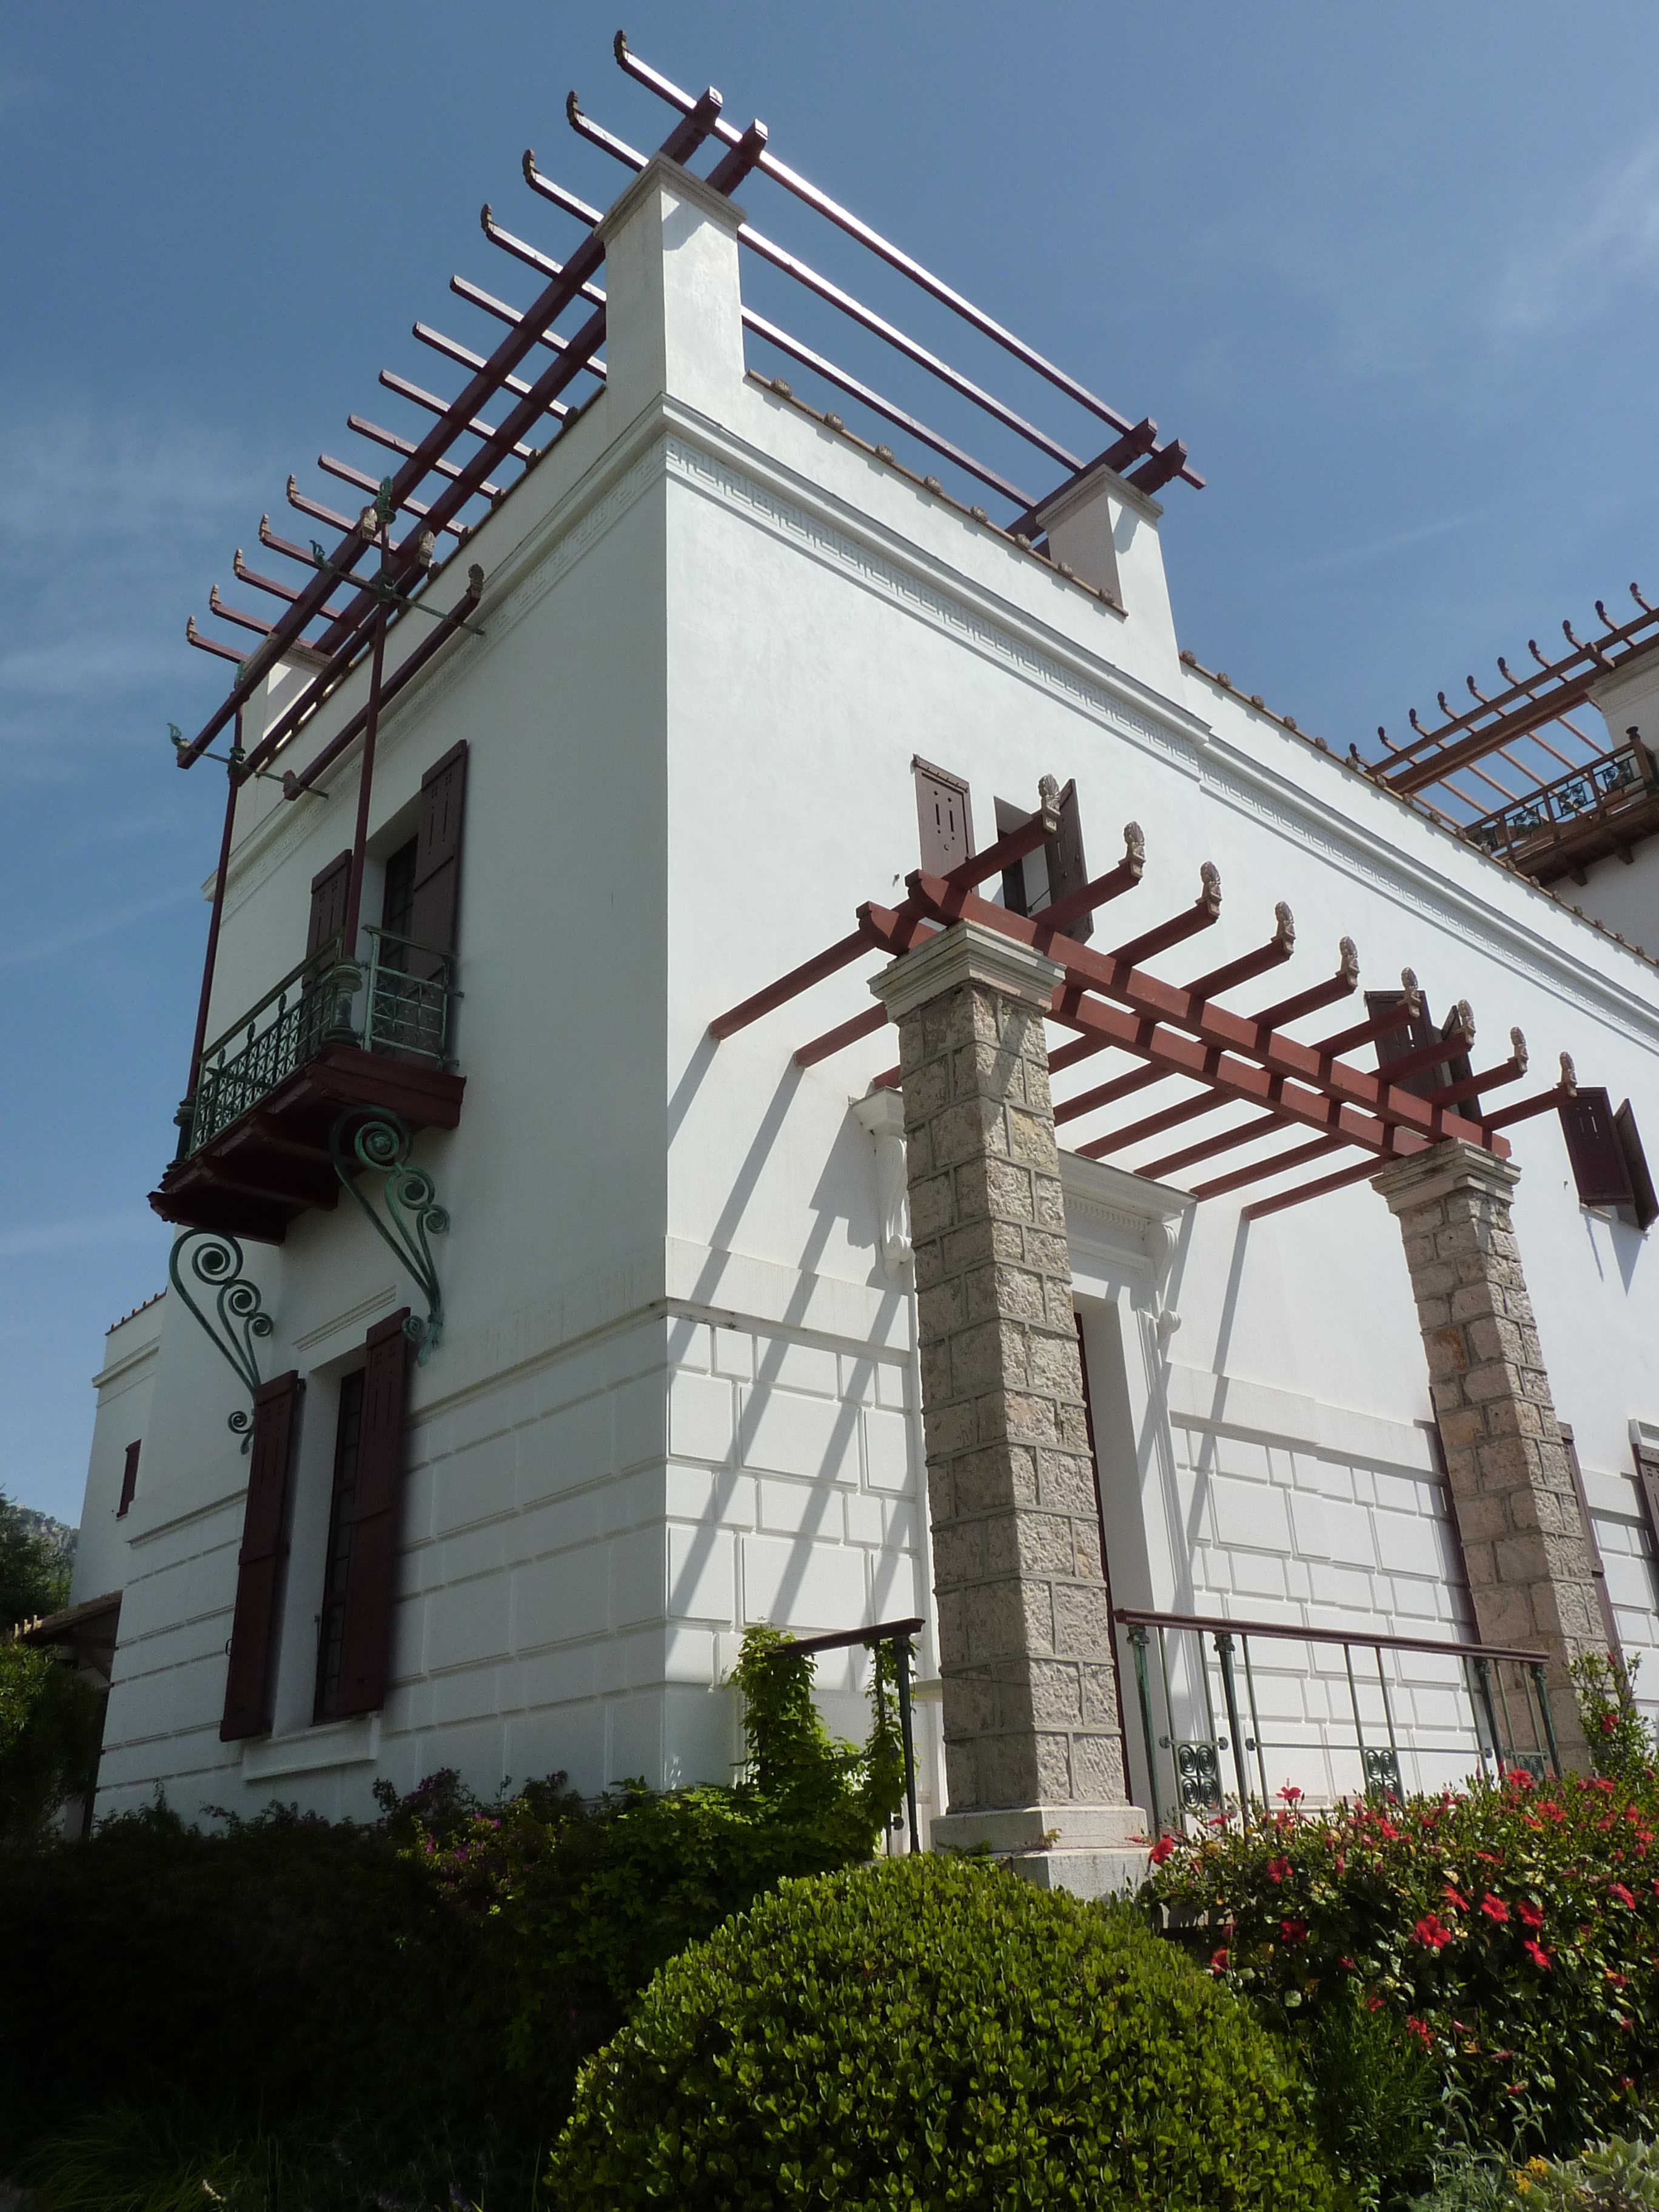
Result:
1234,1713
253,1148
1605,807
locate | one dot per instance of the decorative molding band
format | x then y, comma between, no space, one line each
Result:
217,1261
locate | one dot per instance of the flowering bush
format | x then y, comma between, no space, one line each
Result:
1513,1931
1621,1742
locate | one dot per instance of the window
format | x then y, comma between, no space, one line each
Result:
1609,1167
129,1480
336,1573
397,901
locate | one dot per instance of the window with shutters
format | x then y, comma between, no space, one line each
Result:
253,1154
1045,876
1599,1169
129,1481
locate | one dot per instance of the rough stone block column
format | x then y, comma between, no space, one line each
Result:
1033,1739
1530,1571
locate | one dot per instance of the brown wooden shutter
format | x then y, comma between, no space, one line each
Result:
944,817
129,1478
1068,871
1604,1603
328,904
366,1643
264,1545
1593,1147
1645,1204
434,911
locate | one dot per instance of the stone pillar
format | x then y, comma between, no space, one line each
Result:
1530,1571
1034,1757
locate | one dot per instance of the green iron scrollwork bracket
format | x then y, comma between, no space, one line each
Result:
216,1260
381,1141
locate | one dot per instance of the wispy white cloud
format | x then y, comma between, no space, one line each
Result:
130,1227
1605,240
92,926
1382,548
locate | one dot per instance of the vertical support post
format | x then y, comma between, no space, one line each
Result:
364,785
1138,1645
902,1674
1223,1652
1033,1732
233,784
1483,1676
1531,1576
1541,1685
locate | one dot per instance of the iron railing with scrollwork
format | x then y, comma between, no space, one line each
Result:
400,1004
1220,1716
1603,786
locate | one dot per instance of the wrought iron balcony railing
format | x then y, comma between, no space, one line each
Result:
1608,785
1413,1713
399,1004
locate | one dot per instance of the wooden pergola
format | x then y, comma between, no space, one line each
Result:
1422,1093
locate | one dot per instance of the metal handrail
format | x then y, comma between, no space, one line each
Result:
312,1006
1627,771
1194,1753
1290,1634
326,955
898,1634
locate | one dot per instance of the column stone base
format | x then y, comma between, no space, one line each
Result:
1090,1850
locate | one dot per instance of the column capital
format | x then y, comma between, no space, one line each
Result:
1457,1165
967,952
661,174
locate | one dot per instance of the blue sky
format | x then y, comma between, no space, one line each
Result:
1392,273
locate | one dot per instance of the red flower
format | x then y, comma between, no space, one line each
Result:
1618,1981
1531,1916
1278,1869
1490,1858
1494,1908
1537,1953
1347,1964
1218,1961
1384,1828
1373,2004
1290,1793
1432,1933
1455,1899
1293,1931
1618,1889
1162,1849
1418,2030
1518,1779
1600,1782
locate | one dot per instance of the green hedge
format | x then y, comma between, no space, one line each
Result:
931,2032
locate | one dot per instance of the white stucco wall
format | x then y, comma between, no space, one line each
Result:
674,1394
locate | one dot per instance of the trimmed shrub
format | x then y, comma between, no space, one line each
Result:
452,1963
1514,1932
932,2032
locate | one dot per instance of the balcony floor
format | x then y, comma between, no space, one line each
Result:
272,1163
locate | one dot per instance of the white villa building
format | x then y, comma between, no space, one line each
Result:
718,673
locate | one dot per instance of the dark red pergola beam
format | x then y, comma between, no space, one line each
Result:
1227,1141
1487,1078
1541,1101
1258,1171
1262,1207
683,141
1148,997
